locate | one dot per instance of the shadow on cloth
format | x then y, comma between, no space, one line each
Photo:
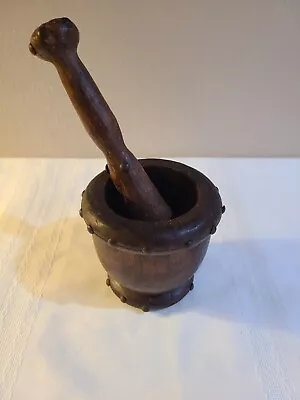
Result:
247,281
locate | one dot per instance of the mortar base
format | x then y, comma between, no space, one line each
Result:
146,301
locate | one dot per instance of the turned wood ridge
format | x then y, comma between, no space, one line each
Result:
56,41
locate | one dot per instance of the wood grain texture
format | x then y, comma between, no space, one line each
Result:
56,41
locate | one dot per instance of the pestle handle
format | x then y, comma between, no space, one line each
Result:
56,41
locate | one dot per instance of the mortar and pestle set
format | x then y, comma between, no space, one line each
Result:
151,220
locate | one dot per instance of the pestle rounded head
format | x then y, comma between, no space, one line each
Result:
54,38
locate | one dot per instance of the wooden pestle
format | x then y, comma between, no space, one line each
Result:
56,41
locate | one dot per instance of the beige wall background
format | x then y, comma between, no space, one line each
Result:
183,77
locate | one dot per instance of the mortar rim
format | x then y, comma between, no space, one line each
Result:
147,236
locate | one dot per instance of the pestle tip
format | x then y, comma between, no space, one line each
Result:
32,49
54,37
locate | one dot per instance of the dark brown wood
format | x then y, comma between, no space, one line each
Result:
56,41
149,264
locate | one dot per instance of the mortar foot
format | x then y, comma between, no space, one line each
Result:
146,301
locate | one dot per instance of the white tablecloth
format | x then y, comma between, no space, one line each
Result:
64,335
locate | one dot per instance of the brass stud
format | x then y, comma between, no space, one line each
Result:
123,299
90,229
